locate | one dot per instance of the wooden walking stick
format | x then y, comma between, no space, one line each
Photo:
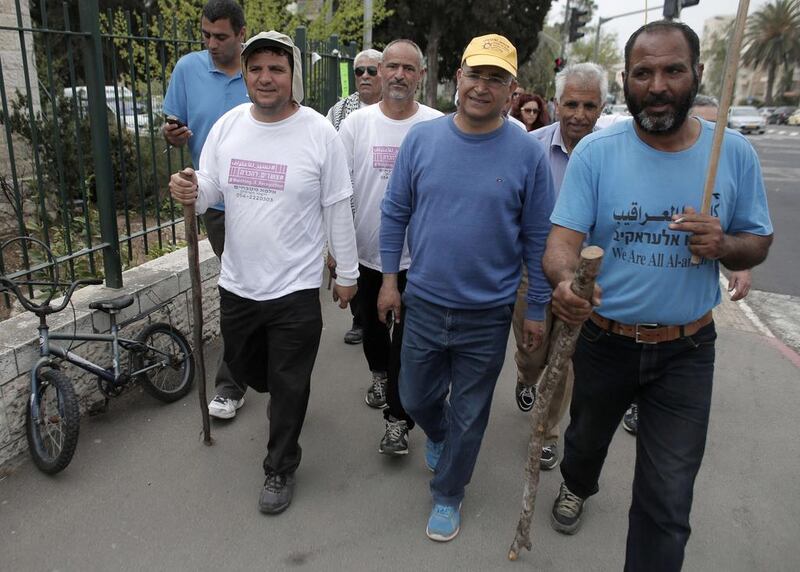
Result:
190,221
562,347
726,97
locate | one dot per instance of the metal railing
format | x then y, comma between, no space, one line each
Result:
86,168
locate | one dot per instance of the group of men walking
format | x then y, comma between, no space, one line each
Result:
438,219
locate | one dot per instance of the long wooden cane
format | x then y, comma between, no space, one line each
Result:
562,347
726,97
190,222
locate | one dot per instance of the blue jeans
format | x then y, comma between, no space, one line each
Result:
460,353
672,384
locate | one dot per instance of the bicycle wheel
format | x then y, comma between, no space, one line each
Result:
52,438
168,360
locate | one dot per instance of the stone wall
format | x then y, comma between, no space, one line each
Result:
164,279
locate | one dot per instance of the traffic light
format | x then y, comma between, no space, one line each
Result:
575,23
672,8
560,63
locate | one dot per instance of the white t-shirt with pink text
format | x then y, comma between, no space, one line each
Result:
275,180
371,142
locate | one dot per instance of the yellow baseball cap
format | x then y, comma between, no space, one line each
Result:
491,50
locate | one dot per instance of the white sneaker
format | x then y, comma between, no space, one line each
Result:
224,408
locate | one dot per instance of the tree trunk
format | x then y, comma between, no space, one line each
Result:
770,84
432,55
562,347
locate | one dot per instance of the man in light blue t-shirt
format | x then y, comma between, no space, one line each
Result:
203,86
634,189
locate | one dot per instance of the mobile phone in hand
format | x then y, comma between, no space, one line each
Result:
172,120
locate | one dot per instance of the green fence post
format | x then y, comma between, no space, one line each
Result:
332,86
101,143
300,42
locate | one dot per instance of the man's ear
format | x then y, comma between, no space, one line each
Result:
700,68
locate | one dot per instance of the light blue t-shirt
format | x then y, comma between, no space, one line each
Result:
474,207
623,193
198,95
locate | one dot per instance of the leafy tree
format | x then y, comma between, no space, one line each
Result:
442,29
608,53
773,39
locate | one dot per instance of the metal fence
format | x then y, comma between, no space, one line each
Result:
85,167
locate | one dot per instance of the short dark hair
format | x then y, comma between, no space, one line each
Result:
225,10
663,26
272,50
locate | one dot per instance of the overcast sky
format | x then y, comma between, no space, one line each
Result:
624,27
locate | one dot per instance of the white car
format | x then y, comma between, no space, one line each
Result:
120,103
746,119
794,118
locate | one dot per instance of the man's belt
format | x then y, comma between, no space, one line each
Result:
651,333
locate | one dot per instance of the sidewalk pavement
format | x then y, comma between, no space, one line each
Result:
144,493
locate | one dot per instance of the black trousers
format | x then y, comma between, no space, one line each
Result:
672,383
381,348
224,383
272,346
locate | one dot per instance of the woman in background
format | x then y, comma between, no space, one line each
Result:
531,110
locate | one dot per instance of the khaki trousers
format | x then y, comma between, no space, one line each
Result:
531,364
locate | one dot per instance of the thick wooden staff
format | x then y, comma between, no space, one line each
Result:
562,347
726,97
190,222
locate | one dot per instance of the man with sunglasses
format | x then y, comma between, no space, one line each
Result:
473,193
368,87
372,138
580,91
368,91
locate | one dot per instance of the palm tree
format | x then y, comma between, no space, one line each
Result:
773,39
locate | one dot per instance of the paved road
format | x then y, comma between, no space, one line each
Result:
776,283
143,493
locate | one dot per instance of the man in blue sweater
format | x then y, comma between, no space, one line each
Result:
472,194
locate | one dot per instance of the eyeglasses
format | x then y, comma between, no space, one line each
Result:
490,80
530,110
371,70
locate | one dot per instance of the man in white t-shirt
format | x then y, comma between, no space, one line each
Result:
282,173
368,92
371,138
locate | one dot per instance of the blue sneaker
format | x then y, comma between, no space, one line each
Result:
444,522
433,451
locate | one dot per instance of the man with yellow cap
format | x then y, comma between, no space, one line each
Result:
473,194
283,176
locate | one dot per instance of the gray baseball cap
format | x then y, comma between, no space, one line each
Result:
275,39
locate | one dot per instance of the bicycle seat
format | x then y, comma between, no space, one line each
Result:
112,304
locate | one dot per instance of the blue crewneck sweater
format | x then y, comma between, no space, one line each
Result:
474,207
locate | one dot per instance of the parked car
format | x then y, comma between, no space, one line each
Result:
119,101
780,116
616,109
746,119
794,118
765,112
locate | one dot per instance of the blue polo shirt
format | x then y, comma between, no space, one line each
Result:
199,94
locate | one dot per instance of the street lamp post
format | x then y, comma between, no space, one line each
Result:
602,21
367,25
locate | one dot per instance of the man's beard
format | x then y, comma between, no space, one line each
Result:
662,123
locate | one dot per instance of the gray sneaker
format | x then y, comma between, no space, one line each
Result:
276,496
549,459
395,440
376,394
566,514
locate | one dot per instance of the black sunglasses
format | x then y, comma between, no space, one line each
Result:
371,70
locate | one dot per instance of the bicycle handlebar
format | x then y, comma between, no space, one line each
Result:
46,308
